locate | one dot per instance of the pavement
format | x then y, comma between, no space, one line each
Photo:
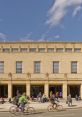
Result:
43,106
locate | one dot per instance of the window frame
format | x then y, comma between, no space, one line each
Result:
1,68
73,70
55,69
18,69
37,70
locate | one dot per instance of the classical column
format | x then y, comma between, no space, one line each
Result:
81,91
10,85
28,84
9,90
28,89
65,90
46,89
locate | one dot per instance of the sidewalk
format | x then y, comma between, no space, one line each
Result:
42,106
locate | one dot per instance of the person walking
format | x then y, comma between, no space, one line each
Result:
69,100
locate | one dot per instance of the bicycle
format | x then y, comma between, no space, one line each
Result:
17,110
54,107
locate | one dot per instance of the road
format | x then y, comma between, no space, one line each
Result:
67,113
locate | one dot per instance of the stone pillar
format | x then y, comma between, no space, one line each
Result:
81,91
64,91
28,89
9,90
46,89
10,85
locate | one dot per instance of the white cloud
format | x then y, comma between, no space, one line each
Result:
3,37
60,8
57,36
27,37
79,8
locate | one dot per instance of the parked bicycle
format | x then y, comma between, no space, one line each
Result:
51,108
17,110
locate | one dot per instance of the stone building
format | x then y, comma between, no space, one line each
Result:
34,67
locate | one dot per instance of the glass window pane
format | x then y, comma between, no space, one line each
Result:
73,67
15,49
59,49
18,67
41,49
1,66
23,49
32,49
56,67
50,49
37,67
77,49
6,50
68,49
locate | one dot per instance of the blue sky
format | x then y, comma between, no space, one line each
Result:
40,20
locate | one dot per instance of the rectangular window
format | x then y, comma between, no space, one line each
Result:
23,49
15,49
32,49
18,66
1,66
6,50
37,67
74,67
59,49
68,49
41,49
50,50
77,49
56,67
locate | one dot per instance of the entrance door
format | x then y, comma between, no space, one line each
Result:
35,89
55,89
74,90
4,91
18,88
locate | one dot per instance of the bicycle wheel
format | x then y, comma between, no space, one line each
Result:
30,110
50,108
59,107
17,111
12,109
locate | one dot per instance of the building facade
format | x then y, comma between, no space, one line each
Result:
34,67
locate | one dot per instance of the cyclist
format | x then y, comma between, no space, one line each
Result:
22,101
52,100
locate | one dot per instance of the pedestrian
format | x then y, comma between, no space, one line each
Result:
69,100
39,97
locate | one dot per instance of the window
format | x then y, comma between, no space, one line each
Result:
68,49
1,66
18,66
6,50
73,67
59,49
15,49
77,49
56,67
50,50
23,49
37,67
32,49
41,49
